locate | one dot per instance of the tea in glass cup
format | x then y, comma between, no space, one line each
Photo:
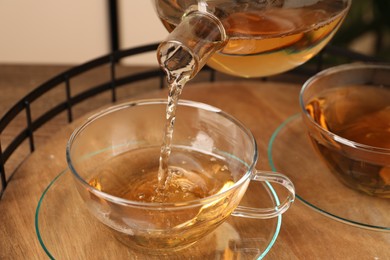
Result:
347,112
114,158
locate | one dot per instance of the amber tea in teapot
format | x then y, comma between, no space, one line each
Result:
262,37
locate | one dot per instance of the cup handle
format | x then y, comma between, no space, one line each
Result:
264,213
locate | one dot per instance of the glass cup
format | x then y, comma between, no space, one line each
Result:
114,158
346,110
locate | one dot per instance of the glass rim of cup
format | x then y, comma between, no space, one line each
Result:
160,205
334,70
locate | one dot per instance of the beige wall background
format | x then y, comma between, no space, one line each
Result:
72,31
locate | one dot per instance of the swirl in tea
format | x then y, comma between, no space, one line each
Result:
192,175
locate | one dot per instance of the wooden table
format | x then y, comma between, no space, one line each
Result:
260,105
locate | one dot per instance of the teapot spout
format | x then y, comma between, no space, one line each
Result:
189,46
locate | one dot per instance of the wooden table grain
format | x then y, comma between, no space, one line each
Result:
260,105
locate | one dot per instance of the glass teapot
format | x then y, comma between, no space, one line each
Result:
247,38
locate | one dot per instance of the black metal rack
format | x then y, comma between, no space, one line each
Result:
64,79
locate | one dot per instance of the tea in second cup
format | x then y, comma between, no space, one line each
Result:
114,158
347,112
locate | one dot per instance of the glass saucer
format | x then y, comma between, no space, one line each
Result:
66,230
290,151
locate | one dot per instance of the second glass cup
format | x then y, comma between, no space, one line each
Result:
114,157
346,110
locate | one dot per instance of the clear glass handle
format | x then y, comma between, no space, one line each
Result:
263,213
